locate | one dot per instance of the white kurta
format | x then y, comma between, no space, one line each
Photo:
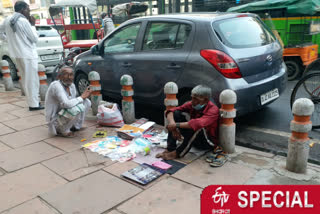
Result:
22,46
57,98
22,43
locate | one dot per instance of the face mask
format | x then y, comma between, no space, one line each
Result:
198,107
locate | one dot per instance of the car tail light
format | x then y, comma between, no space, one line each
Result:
243,15
64,40
222,62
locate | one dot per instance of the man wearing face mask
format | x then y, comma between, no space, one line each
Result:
65,112
200,131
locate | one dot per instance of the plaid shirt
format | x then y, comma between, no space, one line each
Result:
207,118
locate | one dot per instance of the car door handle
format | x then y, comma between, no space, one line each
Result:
173,66
126,64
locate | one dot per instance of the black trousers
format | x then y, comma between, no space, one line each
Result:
198,139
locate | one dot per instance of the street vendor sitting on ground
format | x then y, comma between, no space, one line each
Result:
65,112
200,131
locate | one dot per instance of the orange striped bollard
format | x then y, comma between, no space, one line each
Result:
95,87
43,81
227,129
298,146
127,102
20,83
8,84
171,91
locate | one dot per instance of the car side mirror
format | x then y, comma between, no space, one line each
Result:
95,50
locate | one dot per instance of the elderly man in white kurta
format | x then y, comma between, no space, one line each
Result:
65,112
22,39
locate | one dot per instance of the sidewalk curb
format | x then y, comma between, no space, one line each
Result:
271,141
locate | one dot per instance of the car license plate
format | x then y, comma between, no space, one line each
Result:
269,96
50,57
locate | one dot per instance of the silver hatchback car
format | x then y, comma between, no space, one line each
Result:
222,50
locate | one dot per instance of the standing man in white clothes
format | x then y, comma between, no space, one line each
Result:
22,39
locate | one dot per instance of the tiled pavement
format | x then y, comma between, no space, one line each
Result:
50,175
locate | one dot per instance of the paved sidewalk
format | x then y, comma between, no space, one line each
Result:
47,175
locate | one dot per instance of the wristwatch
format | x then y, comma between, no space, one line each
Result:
177,125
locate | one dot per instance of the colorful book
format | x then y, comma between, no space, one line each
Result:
143,174
128,132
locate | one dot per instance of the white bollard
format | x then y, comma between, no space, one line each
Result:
298,146
95,87
20,83
8,84
127,100
171,91
43,81
227,129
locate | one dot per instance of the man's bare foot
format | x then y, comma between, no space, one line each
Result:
160,155
170,155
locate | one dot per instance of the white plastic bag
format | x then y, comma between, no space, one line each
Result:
109,116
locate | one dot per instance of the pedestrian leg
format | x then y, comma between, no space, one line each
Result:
20,67
32,83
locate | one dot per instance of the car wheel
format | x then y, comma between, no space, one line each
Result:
313,67
293,69
185,97
13,69
82,82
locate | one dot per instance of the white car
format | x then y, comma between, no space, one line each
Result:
49,48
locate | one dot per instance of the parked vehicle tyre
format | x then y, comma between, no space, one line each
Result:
13,69
308,87
185,97
81,82
293,69
313,67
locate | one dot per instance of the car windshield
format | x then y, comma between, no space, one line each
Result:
46,31
243,32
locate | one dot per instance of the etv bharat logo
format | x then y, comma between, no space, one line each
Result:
220,197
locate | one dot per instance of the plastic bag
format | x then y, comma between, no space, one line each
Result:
141,146
109,116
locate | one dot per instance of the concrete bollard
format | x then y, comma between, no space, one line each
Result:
20,83
43,81
171,91
8,84
227,129
298,146
127,101
95,87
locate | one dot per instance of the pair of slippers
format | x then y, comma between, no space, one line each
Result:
217,158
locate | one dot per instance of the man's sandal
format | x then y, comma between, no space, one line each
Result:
219,160
211,156
217,150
